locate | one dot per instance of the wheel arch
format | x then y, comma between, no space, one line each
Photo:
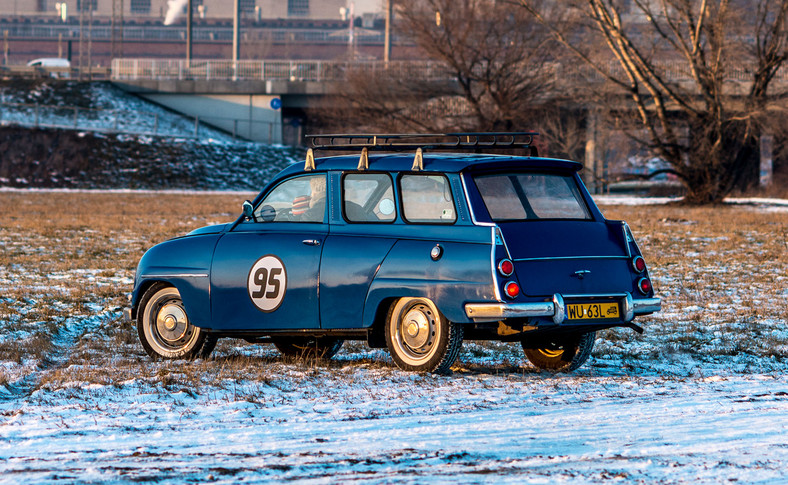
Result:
443,294
194,300
376,337
183,263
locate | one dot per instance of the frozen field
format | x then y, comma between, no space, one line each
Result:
363,423
701,397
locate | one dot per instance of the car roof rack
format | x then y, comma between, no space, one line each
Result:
404,142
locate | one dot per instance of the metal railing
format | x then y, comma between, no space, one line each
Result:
275,70
86,72
329,71
132,122
199,33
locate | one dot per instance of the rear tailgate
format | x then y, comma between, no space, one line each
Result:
568,257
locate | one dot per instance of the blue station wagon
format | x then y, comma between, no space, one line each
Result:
412,242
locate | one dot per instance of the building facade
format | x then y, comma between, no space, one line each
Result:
158,9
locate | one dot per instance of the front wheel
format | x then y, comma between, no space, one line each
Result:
164,327
561,355
308,347
420,338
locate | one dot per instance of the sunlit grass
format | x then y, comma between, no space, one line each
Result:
67,258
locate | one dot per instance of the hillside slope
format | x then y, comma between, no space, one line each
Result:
63,158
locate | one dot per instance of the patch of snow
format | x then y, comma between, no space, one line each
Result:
383,426
766,204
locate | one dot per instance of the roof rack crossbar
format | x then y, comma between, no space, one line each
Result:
428,141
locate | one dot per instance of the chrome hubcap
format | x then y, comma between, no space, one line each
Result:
417,329
172,323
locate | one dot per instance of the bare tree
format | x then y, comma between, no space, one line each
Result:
677,62
490,68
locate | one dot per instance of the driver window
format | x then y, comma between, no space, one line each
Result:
301,199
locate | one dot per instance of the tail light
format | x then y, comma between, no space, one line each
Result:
639,264
644,285
505,267
511,289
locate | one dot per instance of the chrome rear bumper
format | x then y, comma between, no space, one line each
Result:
556,309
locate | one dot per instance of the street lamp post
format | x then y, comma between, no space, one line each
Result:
236,31
387,40
189,18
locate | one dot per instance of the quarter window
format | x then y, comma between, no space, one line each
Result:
368,198
301,199
427,199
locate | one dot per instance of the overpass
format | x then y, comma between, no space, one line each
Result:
248,97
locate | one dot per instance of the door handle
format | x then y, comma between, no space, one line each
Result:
311,242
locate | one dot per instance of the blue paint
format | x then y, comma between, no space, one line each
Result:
342,276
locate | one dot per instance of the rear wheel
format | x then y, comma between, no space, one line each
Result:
561,355
308,347
164,327
420,338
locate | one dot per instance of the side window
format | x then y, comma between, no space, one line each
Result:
427,199
368,197
300,199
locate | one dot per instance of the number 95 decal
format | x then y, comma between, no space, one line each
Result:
267,283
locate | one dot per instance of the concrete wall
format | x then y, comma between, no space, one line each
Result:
249,116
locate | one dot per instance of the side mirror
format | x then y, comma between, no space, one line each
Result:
248,210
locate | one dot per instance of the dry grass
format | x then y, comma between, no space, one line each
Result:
71,256
67,260
722,273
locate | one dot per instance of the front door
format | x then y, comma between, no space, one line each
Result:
264,274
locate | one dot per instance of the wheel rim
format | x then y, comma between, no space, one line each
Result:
416,332
167,324
551,354
172,323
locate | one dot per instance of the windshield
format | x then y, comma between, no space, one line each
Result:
528,196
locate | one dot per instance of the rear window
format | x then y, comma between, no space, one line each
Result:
526,196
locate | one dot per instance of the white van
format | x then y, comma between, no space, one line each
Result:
56,66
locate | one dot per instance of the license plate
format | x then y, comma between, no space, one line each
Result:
592,311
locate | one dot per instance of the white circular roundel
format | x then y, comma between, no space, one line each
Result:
267,283
386,207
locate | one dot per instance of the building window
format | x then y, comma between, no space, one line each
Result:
140,7
297,8
247,7
85,5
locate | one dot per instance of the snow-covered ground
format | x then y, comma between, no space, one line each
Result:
107,138
762,203
353,423
701,397
98,107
